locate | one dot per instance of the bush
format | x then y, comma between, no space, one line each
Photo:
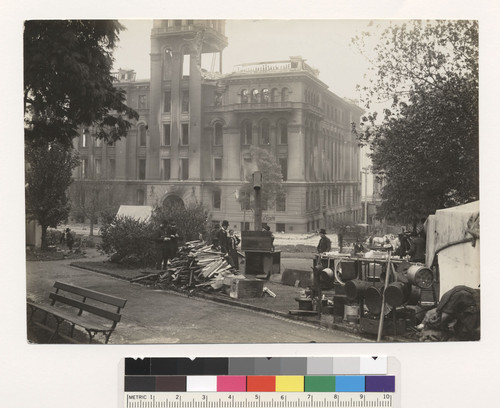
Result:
127,237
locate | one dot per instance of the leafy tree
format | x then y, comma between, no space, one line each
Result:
426,145
68,81
91,200
48,176
191,221
272,188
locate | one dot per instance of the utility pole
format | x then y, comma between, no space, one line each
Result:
365,171
257,184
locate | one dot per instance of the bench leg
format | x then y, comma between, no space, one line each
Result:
108,335
56,331
91,335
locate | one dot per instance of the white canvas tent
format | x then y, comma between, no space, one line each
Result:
138,212
453,235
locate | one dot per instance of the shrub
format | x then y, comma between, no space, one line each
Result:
128,237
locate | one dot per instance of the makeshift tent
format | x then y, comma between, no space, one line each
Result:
137,212
453,236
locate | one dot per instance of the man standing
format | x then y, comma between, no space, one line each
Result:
325,245
166,243
223,237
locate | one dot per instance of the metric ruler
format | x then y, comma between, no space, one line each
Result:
260,400
277,382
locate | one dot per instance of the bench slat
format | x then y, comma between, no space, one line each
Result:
85,306
92,294
71,318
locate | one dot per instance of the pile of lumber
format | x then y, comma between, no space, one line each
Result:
198,266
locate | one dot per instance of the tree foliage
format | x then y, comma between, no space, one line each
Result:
48,176
191,221
68,81
272,187
426,145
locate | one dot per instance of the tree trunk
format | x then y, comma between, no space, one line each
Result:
91,233
44,245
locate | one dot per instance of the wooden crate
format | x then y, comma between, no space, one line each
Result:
246,288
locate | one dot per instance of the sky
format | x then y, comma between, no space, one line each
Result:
325,44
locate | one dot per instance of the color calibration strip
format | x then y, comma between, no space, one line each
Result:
277,374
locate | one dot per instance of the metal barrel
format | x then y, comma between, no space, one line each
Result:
355,289
397,293
373,298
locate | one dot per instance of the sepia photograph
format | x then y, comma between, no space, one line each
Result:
251,181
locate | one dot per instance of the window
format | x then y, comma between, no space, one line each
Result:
218,134
140,197
283,132
264,133
166,169
84,138
167,102
265,95
111,168
184,169
284,95
246,133
247,168
142,135
85,168
218,169
142,104
280,227
185,101
245,226
245,201
97,142
142,169
166,134
281,203
98,168
274,95
255,96
216,200
185,134
244,96
283,161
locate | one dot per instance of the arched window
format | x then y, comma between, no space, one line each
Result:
255,96
274,95
266,95
265,138
246,133
244,96
284,95
282,132
218,133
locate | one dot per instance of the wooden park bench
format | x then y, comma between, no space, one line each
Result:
96,312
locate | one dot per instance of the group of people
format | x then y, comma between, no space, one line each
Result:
228,243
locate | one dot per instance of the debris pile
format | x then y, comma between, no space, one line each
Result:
198,266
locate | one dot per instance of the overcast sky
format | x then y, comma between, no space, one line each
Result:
323,43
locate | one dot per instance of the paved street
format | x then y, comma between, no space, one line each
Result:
156,316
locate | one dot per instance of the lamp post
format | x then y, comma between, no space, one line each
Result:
257,184
365,171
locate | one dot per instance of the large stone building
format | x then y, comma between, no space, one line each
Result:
192,140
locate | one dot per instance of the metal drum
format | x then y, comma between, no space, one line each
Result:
373,298
420,276
397,293
355,289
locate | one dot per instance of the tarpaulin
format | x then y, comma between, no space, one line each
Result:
453,234
137,212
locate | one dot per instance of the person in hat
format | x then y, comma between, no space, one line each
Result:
166,243
325,245
234,241
223,237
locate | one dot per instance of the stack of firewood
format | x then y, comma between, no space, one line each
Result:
197,266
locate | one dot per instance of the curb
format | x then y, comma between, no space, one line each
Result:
229,301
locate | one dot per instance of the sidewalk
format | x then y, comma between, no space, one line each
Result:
279,305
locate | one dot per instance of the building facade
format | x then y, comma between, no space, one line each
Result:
193,137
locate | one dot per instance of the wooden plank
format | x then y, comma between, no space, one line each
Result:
92,294
85,306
